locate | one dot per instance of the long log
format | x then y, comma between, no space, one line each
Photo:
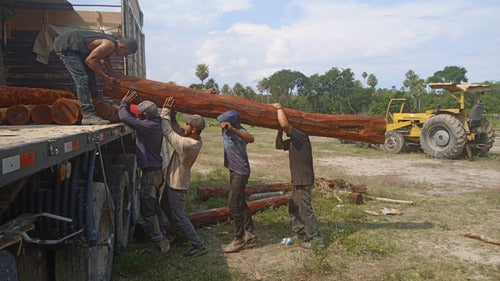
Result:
10,95
41,114
187,100
223,191
216,215
66,111
106,111
18,114
3,115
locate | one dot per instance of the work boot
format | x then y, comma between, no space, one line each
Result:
195,251
179,240
235,246
92,119
249,236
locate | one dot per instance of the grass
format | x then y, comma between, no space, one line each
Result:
418,245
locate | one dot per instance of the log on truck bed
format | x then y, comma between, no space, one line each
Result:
192,101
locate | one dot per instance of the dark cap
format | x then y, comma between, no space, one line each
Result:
146,107
230,116
195,120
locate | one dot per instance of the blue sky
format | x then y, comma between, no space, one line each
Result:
246,40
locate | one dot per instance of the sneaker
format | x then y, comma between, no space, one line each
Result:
179,240
195,251
314,243
235,246
249,236
161,247
93,120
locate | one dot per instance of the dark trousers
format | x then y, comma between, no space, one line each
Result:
238,206
301,212
83,77
150,206
173,204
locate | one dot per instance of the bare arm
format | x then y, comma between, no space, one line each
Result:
245,136
279,140
103,48
282,118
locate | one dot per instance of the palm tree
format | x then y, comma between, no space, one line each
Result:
202,72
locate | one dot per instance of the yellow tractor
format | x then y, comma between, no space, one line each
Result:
441,133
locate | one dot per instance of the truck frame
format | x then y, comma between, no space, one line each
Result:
68,194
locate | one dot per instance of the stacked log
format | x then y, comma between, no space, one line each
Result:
19,114
66,111
223,191
10,95
187,100
41,114
106,111
3,115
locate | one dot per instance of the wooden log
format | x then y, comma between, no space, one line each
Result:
482,238
10,95
216,215
223,191
18,114
258,196
3,115
41,114
187,100
356,198
106,111
66,111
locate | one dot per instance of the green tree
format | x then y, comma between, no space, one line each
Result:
364,75
284,84
202,72
238,90
449,74
372,81
415,86
226,90
212,84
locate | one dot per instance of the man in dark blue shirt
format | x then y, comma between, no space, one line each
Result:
146,121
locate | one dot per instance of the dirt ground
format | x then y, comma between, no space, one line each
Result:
438,177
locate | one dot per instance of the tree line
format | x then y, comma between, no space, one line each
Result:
338,92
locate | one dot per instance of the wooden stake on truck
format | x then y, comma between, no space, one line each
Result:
192,101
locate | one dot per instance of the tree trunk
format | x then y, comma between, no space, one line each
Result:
41,114
106,111
18,114
23,95
187,100
66,111
3,115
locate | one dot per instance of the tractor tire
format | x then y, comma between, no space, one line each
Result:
443,136
484,142
118,181
394,142
90,262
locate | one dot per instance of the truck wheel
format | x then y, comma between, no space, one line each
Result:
443,136
118,181
394,142
130,161
484,142
90,262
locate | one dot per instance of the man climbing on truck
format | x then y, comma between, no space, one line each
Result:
86,53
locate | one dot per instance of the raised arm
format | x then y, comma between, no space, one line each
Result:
282,118
245,136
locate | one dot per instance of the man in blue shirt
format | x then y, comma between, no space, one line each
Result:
236,161
146,121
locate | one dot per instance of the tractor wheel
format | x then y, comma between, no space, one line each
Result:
90,262
394,142
130,162
443,136
484,142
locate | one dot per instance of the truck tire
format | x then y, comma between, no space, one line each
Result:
118,181
443,136
394,142
484,142
130,162
90,262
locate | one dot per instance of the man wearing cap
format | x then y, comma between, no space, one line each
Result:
235,139
146,122
184,146
86,53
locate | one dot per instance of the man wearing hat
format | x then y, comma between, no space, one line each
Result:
184,146
146,122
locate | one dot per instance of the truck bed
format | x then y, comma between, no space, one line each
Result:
30,148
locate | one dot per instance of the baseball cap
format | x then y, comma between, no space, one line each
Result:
146,107
195,120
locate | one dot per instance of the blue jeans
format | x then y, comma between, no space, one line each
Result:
83,77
